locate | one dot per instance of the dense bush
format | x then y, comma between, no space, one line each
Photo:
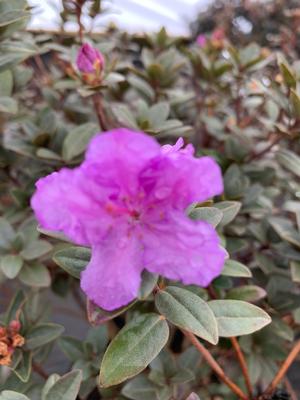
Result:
240,105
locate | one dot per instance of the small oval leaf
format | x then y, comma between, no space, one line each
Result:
236,318
236,269
73,259
66,387
188,311
134,347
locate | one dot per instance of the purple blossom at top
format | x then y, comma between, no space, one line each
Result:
89,59
201,40
127,201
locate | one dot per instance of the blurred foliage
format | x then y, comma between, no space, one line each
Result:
236,98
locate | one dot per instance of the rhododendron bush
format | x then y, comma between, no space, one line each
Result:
150,213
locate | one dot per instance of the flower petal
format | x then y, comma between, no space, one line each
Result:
179,179
182,249
120,154
113,276
62,202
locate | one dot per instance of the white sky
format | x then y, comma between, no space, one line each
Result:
131,15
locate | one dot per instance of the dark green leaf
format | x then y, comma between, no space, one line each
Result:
66,387
43,334
135,346
73,259
236,269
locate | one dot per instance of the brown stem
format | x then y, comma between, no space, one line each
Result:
39,370
283,369
78,6
290,389
215,366
266,149
243,365
100,111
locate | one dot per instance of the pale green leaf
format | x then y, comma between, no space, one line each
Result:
236,318
187,311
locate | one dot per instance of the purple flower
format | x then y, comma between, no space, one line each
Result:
201,40
89,60
127,201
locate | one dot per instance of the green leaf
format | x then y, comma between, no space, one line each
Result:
235,182
98,316
149,281
49,383
42,334
6,83
23,368
72,347
76,141
284,228
211,215
249,293
229,209
236,318
124,116
142,86
134,347
295,270
236,269
8,105
281,329
295,100
35,274
47,154
66,387
15,305
187,311
12,16
11,265
140,388
158,114
36,249
73,259
182,375
10,395
193,396
7,234
289,160
288,75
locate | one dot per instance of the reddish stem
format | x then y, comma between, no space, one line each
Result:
215,366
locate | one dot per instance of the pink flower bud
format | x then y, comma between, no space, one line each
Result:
90,60
15,325
201,40
218,34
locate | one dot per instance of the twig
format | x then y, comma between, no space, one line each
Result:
290,389
275,141
283,369
215,366
100,111
39,370
78,5
243,365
